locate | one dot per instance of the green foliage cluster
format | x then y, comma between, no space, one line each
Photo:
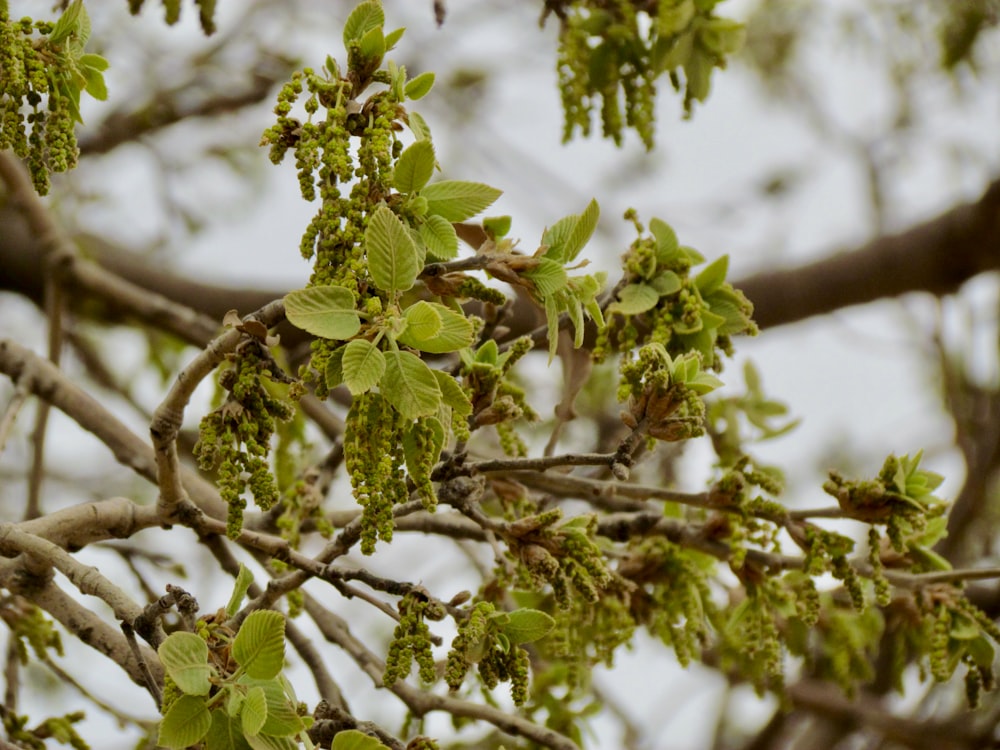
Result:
611,55
370,247
662,303
44,71
235,438
491,639
229,691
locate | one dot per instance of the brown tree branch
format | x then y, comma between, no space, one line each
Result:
936,256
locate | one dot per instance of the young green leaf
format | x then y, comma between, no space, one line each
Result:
409,385
583,230
666,240
439,236
447,331
419,128
527,625
420,86
548,276
324,311
225,733
265,741
634,299
457,201
497,226
362,365
185,657
364,18
393,37
423,322
185,723
666,283
372,46
68,23
556,237
713,277
259,646
243,580
392,255
282,720
414,167
452,393
253,712
352,739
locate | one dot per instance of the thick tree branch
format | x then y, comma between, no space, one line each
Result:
936,256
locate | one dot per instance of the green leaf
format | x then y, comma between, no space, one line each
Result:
453,394
497,226
392,255
457,201
704,382
95,85
419,86
253,713
243,580
527,625
423,322
964,628
556,237
324,311
666,283
454,332
418,126
364,18
235,701
282,720
225,734
68,23
414,167
634,299
362,366
439,236
96,62
259,647
185,657
582,231
981,651
393,37
666,240
372,46
270,742
548,276
185,723
713,277
409,385
353,739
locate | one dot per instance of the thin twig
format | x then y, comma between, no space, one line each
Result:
147,676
